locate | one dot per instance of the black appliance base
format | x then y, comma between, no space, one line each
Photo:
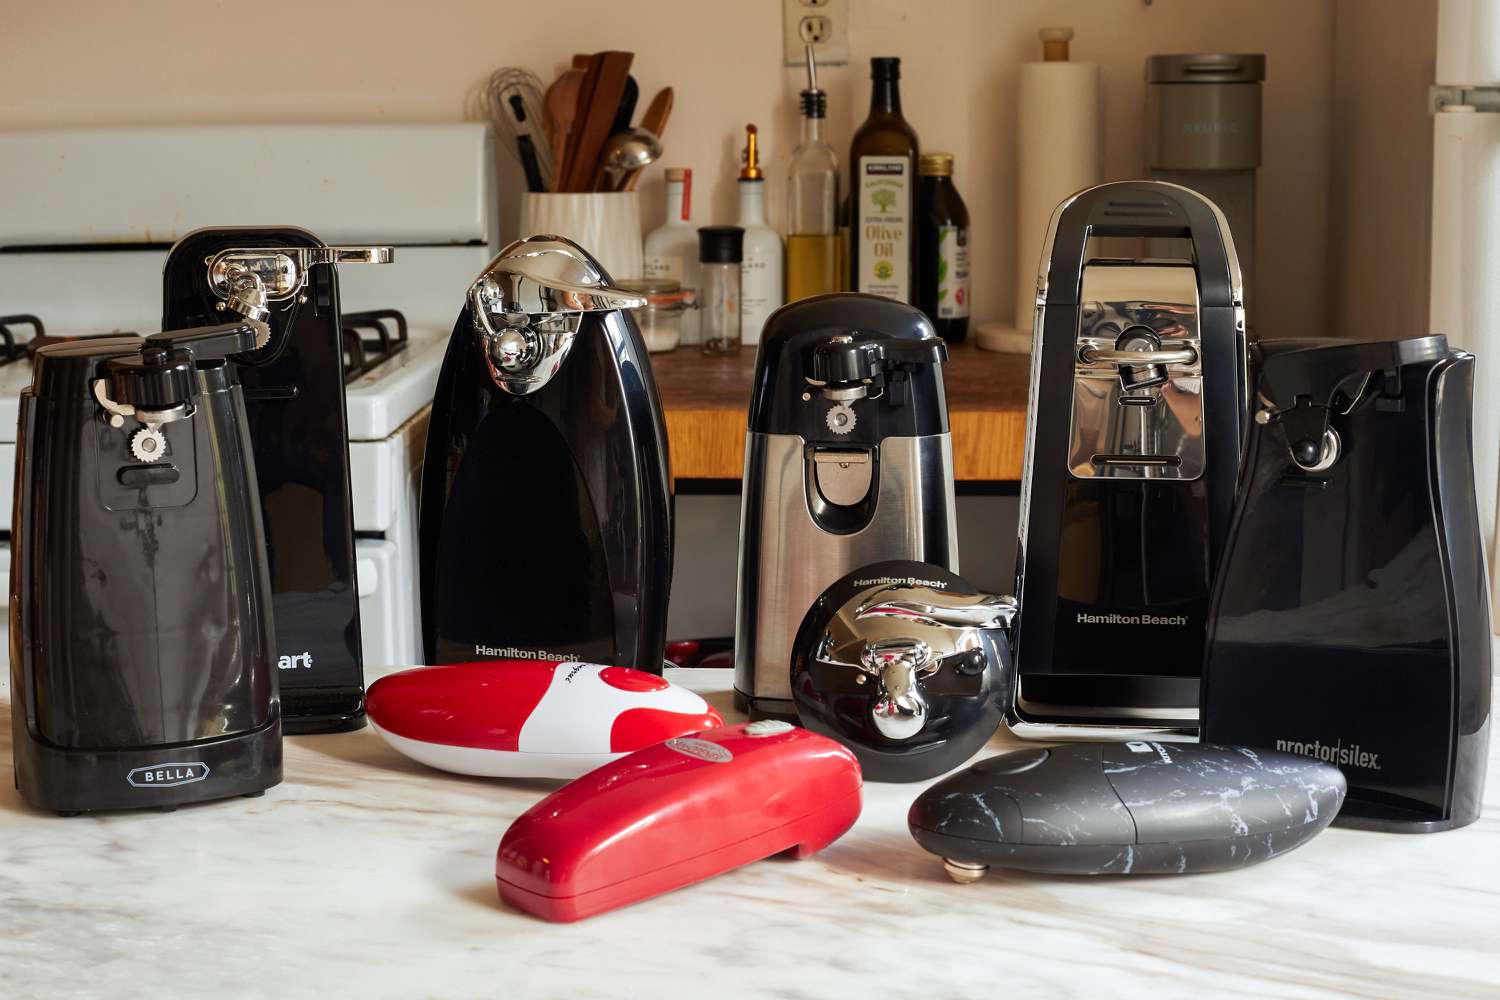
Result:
1357,815
322,710
79,781
782,709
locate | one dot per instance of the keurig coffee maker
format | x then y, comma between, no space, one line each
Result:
546,520
1138,398
1350,618
848,461
143,670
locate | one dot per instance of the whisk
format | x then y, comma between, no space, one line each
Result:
512,101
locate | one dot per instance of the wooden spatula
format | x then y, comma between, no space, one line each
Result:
605,85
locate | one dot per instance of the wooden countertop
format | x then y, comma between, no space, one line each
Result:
705,398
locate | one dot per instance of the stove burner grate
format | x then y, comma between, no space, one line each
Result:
10,350
364,354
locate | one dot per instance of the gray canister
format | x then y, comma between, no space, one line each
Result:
1203,132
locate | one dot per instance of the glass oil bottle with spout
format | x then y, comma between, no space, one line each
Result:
812,258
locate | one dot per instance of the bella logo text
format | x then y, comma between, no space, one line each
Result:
167,775
294,661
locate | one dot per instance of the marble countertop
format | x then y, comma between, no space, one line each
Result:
367,874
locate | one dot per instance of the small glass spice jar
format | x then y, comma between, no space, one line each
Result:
720,251
660,319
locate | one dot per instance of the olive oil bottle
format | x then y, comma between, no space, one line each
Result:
883,192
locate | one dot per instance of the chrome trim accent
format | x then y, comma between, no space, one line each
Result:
528,305
1138,341
1091,355
797,558
1236,279
280,272
900,710
957,611
903,632
1061,732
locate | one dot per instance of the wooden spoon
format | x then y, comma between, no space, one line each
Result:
560,107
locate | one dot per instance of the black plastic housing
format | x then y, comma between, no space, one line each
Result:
546,519
913,404
294,397
1350,616
142,663
1128,665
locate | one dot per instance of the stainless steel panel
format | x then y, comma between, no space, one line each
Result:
787,559
1138,421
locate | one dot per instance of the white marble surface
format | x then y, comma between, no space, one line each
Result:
364,874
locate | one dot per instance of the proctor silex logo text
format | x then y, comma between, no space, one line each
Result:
168,775
512,653
294,661
1350,756
1112,619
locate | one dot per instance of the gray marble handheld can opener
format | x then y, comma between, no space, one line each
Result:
1133,808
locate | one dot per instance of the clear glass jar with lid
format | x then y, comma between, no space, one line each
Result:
661,318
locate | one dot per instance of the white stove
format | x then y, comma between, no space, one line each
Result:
87,218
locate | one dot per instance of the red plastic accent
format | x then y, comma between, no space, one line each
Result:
681,651
627,679
662,818
641,727
480,705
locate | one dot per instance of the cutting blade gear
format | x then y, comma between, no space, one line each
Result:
148,444
841,418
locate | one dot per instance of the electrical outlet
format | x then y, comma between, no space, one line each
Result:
823,24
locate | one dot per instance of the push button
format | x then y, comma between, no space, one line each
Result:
632,680
768,727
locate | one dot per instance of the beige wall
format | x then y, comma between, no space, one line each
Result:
69,63
1380,206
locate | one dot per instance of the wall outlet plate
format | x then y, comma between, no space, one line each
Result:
822,23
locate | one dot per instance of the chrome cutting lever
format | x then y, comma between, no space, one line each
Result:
899,710
248,279
529,304
1112,356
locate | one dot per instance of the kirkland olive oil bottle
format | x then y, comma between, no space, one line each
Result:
883,192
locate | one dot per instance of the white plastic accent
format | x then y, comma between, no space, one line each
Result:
578,711
496,763
768,727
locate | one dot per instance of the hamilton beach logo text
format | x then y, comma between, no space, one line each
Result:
902,581
168,775
512,653
1352,756
1113,619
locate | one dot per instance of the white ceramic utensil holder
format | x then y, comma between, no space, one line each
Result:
607,225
